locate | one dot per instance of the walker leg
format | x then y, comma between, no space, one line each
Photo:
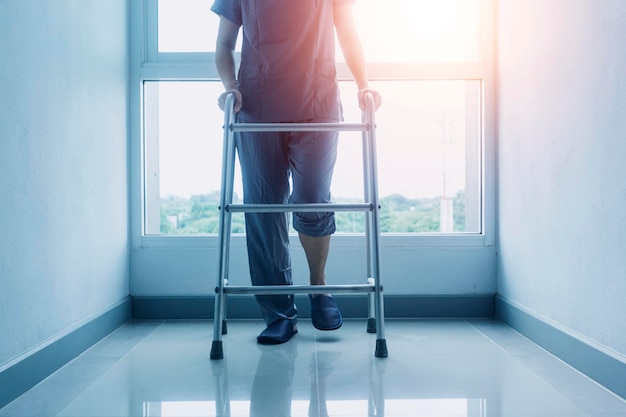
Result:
224,310
371,316
217,351
371,325
381,342
381,348
373,226
226,197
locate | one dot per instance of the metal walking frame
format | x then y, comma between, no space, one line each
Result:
373,287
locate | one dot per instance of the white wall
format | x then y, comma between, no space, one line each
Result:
63,166
561,153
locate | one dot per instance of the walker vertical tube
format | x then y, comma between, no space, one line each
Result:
367,198
226,196
381,343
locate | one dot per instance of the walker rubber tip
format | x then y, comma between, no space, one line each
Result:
371,325
216,350
381,348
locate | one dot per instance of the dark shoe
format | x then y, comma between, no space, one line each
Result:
325,314
278,332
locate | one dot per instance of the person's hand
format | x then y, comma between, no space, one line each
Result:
378,100
221,101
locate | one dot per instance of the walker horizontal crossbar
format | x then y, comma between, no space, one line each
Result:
299,127
300,289
301,208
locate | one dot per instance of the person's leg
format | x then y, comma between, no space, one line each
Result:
316,250
325,314
265,171
312,157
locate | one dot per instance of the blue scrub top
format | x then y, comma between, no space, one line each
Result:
287,70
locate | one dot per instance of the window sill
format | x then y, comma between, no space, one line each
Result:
340,240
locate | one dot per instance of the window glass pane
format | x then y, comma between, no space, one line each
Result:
390,30
428,140
186,26
428,157
183,134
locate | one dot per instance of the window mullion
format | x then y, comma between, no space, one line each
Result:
180,70
151,30
419,71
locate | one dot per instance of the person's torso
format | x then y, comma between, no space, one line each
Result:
288,60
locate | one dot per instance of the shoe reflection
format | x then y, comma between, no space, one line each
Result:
273,381
321,367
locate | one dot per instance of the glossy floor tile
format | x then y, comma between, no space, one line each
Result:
435,368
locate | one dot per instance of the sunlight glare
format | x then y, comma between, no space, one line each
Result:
419,30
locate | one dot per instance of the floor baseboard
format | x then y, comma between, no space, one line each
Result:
28,372
245,307
605,369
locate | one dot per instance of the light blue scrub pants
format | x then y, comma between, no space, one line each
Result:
267,160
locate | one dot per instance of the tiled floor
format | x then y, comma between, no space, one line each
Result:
435,368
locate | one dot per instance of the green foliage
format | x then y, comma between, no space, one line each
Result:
199,214
399,214
458,205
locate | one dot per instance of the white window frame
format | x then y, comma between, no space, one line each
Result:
147,64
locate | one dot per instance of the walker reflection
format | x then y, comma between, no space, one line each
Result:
272,389
297,380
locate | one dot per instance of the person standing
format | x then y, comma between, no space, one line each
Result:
287,74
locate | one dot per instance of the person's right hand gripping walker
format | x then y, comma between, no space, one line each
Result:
290,25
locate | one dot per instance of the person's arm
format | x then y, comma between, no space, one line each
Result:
350,44
225,61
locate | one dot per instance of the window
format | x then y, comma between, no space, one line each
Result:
426,57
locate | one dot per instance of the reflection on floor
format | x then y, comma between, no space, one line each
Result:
443,368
